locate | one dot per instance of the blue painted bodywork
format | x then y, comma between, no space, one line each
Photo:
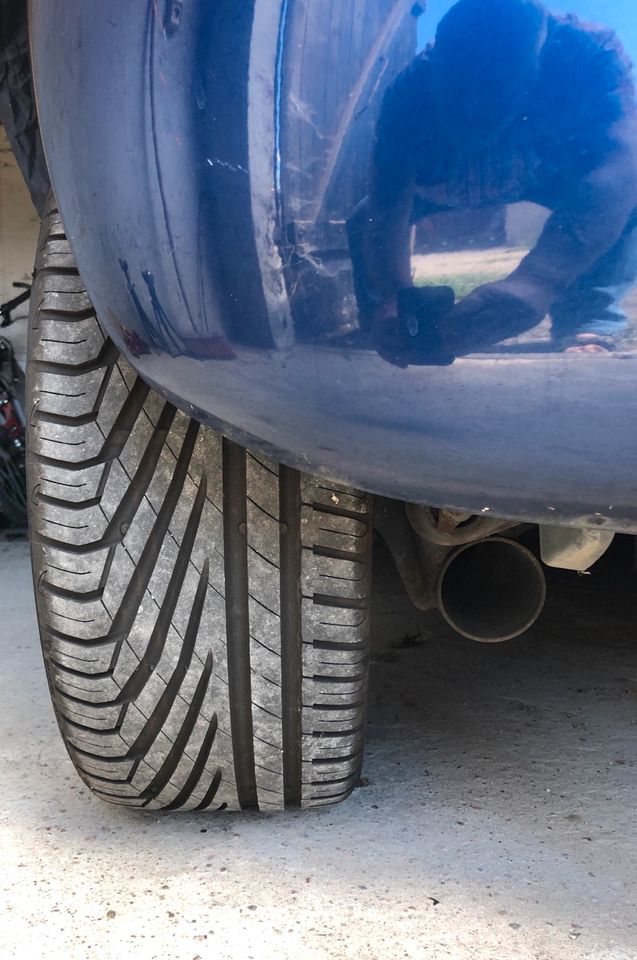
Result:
207,159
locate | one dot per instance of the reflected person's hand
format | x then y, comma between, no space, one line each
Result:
388,335
495,312
407,328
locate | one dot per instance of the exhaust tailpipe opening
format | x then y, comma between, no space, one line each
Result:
492,591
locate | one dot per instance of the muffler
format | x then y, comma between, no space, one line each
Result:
491,590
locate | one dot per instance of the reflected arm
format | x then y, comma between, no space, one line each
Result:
588,223
584,227
399,152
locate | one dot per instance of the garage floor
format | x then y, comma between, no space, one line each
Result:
496,819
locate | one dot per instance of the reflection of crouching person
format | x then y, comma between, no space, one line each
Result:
509,104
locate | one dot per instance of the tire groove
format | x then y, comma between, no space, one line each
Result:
135,492
346,758
334,511
331,797
197,771
99,734
319,678
337,707
335,645
107,357
325,734
291,632
96,704
74,505
64,419
341,603
238,621
330,553
65,593
94,642
58,271
211,792
117,438
176,752
152,655
127,611
73,672
64,316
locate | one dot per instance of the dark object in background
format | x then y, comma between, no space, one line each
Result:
462,230
6,309
19,119
17,100
13,491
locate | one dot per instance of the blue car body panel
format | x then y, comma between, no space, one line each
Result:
206,159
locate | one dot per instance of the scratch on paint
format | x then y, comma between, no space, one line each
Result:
235,168
278,97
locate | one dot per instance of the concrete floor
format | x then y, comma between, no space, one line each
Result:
496,816
495,821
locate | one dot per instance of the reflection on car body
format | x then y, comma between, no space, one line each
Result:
509,104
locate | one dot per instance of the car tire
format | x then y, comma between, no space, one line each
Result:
204,612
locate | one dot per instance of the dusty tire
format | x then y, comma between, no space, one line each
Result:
203,611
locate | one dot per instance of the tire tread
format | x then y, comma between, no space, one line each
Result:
203,610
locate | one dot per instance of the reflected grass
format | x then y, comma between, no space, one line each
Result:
462,284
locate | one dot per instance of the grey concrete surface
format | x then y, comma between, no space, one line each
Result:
495,819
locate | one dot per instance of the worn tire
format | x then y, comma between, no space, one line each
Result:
203,611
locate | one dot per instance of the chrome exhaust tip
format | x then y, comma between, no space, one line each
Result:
491,591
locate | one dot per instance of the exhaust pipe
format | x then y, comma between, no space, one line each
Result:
487,589
492,590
